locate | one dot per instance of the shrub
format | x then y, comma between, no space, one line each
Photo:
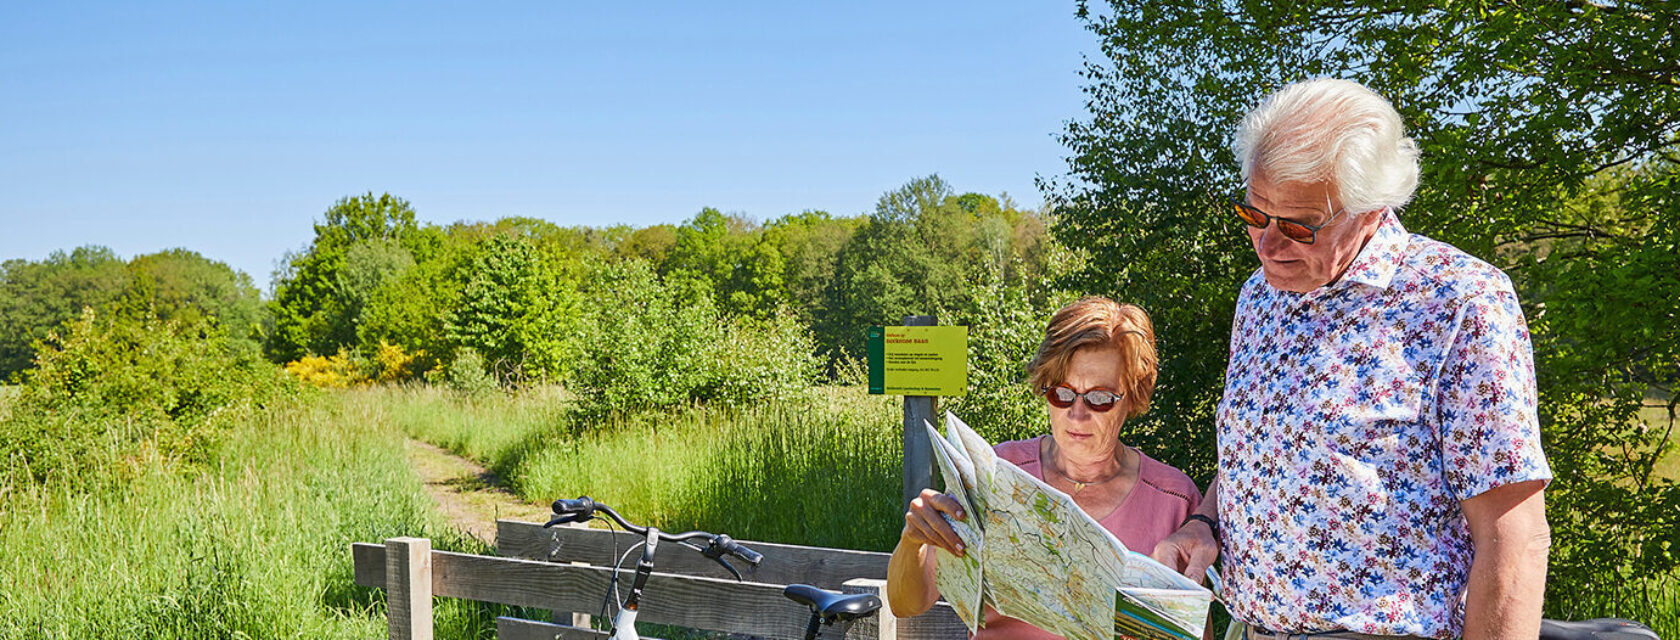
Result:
466,373
396,365
112,391
653,345
338,371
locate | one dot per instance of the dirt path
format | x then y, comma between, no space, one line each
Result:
471,497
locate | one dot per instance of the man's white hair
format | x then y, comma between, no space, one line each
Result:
1334,131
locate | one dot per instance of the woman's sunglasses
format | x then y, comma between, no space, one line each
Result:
1063,396
1298,231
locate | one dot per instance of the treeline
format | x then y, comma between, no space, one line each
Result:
37,298
718,308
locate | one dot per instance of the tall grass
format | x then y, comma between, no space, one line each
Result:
821,471
255,546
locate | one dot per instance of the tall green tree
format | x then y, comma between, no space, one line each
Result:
37,297
518,309
1549,143
182,285
320,293
922,251
809,245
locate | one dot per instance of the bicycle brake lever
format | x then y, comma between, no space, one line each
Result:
731,569
561,519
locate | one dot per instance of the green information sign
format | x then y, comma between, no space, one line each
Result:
918,361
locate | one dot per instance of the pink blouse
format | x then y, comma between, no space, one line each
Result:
1153,510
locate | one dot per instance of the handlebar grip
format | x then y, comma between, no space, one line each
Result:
579,510
752,557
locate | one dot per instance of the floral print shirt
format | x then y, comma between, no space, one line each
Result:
1355,418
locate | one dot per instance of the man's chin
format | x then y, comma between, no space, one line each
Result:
1286,279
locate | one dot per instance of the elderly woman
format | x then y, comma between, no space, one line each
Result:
1095,368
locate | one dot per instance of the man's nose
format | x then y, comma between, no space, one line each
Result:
1272,241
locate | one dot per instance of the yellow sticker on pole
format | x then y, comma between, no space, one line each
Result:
918,361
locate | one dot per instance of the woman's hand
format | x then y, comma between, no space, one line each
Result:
923,524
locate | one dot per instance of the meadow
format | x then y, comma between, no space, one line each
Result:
256,545
822,472
822,469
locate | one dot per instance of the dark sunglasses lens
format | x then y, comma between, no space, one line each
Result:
1061,397
1295,232
1100,400
1250,215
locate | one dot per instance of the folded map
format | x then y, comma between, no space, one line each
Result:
1031,553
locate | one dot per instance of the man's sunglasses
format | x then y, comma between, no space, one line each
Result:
1298,231
1099,400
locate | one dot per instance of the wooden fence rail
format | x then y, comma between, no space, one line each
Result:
687,590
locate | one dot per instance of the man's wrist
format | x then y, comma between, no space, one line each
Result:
1212,525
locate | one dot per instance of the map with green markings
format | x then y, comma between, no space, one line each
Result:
1035,555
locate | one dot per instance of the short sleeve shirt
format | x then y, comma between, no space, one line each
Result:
1355,419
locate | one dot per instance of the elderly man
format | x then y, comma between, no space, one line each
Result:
1380,470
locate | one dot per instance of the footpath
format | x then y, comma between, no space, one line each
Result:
468,495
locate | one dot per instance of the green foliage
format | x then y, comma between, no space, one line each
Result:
1549,148
651,244
809,244
916,254
178,284
117,390
320,294
257,546
654,344
731,257
1005,324
410,308
519,310
466,373
36,297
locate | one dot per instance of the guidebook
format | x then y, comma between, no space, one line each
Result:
1032,554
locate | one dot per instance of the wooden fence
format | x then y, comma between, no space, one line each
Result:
567,569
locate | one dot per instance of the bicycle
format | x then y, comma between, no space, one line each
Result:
827,607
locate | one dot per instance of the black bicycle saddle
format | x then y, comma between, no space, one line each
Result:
1597,629
833,607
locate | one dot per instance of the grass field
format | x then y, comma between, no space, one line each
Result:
823,471
257,546
824,474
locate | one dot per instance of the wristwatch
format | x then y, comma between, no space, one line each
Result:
1213,525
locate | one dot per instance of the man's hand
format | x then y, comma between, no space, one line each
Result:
1190,550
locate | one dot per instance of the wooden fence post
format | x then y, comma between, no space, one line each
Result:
408,588
884,626
918,451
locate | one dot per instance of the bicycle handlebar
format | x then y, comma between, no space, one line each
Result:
718,545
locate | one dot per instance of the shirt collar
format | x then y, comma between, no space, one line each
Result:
1377,261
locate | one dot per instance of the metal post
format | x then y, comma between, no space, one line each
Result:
918,452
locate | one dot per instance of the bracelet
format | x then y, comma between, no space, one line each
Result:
1210,522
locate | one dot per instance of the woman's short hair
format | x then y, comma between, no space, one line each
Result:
1100,323
1333,131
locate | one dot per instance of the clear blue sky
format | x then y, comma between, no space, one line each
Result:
228,127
